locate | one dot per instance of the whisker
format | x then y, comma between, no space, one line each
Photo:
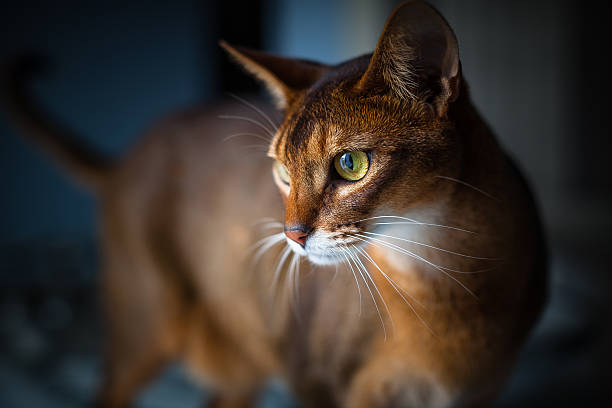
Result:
368,240
349,252
235,135
250,120
266,223
396,287
295,266
273,237
424,224
284,254
365,270
354,276
263,220
256,109
394,284
293,289
264,244
433,247
336,272
413,255
469,185
414,222
270,225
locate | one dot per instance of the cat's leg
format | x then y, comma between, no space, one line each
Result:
125,375
139,343
233,400
139,310
387,383
233,379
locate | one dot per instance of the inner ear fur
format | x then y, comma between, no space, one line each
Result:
416,57
283,77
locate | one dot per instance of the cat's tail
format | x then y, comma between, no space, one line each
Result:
88,167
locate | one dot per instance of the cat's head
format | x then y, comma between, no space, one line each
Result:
365,138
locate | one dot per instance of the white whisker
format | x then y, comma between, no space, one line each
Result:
250,120
413,222
277,236
469,185
292,288
270,225
256,109
424,224
255,135
397,288
413,255
295,263
394,284
265,244
284,254
382,322
354,276
336,272
432,247
365,270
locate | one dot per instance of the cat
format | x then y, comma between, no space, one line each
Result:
408,263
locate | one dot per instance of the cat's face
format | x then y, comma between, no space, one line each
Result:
366,138
342,159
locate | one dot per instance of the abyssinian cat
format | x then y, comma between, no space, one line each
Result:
407,265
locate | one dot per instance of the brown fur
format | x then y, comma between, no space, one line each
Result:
177,224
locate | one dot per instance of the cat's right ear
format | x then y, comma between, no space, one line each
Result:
283,77
416,56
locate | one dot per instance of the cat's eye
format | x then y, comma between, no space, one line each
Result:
352,166
282,172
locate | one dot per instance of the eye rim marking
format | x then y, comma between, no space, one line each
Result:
282,172
345,175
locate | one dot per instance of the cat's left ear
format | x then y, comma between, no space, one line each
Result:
283,77
416,57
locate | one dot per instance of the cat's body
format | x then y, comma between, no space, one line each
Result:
179,221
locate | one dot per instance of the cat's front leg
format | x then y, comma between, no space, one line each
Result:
233,400
388,383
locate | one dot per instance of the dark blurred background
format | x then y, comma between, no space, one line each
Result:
537,71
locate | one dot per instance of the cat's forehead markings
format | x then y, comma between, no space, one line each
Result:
301,130
316,141
279,143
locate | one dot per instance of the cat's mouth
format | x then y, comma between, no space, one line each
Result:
325,249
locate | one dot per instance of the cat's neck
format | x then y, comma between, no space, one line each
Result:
454,232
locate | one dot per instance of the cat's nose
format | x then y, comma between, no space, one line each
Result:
297,233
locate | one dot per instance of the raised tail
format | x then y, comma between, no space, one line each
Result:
88,167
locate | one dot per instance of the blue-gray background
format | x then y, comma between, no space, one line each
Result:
537,72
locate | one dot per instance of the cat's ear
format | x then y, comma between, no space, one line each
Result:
416,57
283,77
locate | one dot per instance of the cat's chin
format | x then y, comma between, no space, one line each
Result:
323,259
315,258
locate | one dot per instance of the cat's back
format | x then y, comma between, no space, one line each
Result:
198,156
197,186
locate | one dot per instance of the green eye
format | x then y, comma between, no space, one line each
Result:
352,165
282,172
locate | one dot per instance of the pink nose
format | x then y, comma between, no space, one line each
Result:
298,235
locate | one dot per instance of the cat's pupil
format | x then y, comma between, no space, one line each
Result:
347,161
